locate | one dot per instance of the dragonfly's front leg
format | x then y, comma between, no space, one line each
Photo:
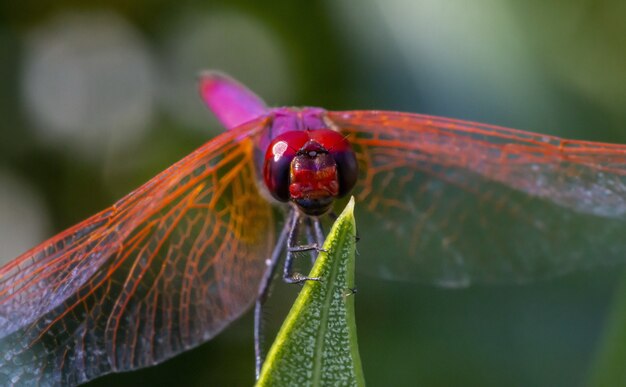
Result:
319,231
293,247
310,237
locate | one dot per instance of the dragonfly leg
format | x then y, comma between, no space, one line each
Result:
310,239
307,247
351,292
319,231
264,290
292,247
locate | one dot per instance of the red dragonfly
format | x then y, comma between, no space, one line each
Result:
171,264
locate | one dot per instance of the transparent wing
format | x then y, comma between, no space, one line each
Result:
164,269
460,202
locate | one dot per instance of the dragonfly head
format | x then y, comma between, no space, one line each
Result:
310,168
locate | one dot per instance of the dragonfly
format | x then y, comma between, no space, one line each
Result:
173,263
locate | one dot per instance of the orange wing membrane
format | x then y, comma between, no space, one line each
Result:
164,269
465,202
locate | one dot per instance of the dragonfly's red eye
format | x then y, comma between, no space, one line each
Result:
341,151
310,167
278,157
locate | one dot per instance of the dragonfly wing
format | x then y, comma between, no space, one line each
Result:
45,276
463,202
165,269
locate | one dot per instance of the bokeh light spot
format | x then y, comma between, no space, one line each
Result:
88,82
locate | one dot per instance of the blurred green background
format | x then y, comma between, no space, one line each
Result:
97,98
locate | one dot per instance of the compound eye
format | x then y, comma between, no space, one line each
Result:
278,157
339,147
347,169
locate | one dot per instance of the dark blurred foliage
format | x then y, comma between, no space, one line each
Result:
558,68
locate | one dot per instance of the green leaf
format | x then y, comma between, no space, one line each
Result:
317,344
610,363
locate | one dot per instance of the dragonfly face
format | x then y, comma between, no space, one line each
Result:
170,265
310,168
